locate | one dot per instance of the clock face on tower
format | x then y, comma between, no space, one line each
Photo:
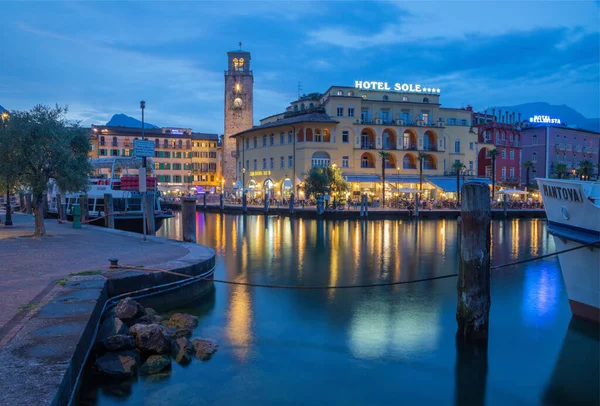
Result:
237,103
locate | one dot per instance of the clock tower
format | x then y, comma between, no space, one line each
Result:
238,110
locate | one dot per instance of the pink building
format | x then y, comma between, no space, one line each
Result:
546,145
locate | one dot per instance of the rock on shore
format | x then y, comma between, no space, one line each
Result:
117,365
182,350
156,364
152,339
204,348
183,324
129,311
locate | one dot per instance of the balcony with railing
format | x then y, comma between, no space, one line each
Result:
409,147
578,148
367,145
568,147
430,148
560,147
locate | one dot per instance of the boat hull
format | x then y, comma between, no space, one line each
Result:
574,220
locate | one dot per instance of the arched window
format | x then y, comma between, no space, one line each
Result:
241,64
235,64
255,142
295,107
534,157
318,135
114,143
534,141
404,98
302,107
350,93
326,135
264,144
386,97
180,144
157,143
340,93
188,144
102,141
425,100
457,146
409,162
367,161
165,143
321,158
311,105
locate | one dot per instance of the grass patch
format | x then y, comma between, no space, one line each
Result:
86,273
63,281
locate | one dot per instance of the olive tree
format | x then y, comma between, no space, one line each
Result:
42,146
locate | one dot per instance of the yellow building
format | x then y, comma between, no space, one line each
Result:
349,126
182,158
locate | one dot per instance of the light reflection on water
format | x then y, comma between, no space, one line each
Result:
348,346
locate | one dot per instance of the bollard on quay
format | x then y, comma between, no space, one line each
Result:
188,219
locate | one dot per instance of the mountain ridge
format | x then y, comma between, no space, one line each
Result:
123,120
566,114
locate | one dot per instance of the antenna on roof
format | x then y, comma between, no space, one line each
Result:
299,89
240,44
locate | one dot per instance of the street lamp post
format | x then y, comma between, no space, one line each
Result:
8,220
189,181
143,197
397,190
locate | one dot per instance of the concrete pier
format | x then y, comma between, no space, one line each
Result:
54,289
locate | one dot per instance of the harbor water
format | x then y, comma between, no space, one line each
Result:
372,346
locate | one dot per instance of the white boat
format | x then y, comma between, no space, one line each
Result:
573,212
110,175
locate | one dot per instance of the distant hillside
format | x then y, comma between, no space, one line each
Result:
121,120
565,113
2,109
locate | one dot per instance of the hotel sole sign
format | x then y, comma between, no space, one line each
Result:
396,87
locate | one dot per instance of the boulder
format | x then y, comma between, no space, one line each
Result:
149,319
152,339
129,311
110,327
182,350
119,342
117,364
151,312
183,324
155,364
204,348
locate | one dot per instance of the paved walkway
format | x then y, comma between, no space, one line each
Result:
31,267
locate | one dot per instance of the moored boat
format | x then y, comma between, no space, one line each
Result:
573,212
112,176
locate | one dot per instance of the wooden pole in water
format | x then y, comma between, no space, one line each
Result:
244,203
473,287
150,223
505,204
416,205
188,219
204,202
221,202
109,220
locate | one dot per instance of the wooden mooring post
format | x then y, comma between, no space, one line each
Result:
472,311
188,219
109,220
291,203
221,202
83,203
60,207
244,203
149,207
204,202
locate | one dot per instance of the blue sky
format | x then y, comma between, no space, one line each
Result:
101,58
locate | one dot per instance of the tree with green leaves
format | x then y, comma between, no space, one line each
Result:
586,168
458,167
560,170
493,154
527,165
321,180
385,156
45,146
421,156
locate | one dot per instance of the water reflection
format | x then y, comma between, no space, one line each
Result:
343,345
